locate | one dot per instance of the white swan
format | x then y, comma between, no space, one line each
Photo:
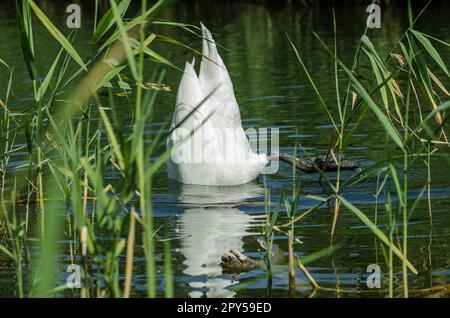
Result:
211,147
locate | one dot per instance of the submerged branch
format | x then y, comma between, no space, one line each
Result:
322,163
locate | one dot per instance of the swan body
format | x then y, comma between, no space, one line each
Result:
209,145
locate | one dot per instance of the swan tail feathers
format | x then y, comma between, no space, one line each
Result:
189,91
205,46
212,69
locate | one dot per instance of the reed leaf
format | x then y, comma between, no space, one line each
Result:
57,34
375,230
362,92
107,21
26,36
45,83
431,50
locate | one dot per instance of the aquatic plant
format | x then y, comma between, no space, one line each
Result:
391,89
68,156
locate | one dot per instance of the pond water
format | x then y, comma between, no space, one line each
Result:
272,91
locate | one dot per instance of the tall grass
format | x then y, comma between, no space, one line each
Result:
69,152
390,104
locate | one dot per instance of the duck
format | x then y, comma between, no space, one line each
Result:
208,143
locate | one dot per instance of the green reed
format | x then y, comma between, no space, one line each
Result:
390,103
68,156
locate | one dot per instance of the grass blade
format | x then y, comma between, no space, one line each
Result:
375,230
57,34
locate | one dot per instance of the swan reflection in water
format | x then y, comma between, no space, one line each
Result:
213,226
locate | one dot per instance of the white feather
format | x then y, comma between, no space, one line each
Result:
218,137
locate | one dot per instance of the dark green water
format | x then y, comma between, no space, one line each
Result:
272,92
